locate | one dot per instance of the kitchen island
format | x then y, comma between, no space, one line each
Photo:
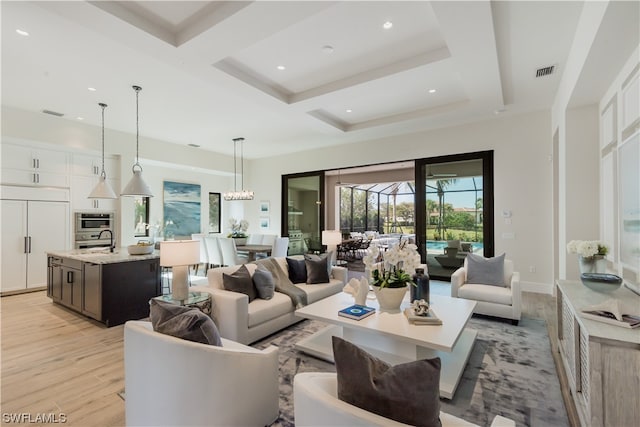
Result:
108,287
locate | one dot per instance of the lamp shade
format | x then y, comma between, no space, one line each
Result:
102,190
137,186
179,252
331,237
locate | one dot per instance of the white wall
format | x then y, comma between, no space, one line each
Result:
522,163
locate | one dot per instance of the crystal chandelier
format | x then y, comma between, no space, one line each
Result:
235,194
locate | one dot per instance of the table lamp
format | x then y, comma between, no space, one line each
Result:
179,254
332,238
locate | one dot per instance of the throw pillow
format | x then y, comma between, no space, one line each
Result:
297,270
328,256
485,271
183,322
317,271
408,393
240,281
264,282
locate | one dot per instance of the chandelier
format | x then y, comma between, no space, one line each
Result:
235,194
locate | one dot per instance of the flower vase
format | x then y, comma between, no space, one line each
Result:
593,264
389,299
240,241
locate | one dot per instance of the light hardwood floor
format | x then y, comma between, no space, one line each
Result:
54,361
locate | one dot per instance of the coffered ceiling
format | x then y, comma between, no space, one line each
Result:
287,76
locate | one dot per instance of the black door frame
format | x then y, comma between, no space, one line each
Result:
487,198
284,217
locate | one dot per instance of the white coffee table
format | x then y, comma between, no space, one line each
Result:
390,336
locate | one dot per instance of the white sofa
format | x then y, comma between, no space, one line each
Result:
245,322
316,403
500,301
174,382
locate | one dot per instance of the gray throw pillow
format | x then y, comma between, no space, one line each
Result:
485,271
316,270
297,270
328,256
183,322
408,393
240,281
264,283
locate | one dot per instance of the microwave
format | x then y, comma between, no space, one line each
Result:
92,221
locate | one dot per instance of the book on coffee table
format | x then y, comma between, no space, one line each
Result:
357,312
429,319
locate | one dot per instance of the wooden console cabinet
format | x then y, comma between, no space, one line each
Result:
602,361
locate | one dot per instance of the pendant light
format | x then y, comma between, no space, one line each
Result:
102,190
235,194
137,186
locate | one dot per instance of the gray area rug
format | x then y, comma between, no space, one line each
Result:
510,373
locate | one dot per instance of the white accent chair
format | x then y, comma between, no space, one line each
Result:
280,247
316,403
173,382
500,301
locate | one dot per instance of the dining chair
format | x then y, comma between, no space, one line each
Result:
280,247
268,239
204,256
213,249
229,253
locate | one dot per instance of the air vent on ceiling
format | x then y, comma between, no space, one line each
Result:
53,113
194,145
545,71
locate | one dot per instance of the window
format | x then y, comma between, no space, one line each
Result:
214,212
141,219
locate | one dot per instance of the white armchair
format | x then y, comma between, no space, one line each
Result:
316,403
173,382
500,301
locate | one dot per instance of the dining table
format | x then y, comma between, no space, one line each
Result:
252,250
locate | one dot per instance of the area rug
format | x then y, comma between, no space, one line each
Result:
510,373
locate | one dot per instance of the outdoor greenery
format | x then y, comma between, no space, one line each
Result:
361,211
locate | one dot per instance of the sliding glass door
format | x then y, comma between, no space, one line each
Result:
302,211
454,195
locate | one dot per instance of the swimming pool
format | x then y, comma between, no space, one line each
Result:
439,245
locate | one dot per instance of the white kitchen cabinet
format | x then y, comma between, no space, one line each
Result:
85,165
33,166
81,186
29,230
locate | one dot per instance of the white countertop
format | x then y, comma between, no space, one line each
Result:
103,256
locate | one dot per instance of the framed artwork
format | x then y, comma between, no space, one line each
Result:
181,209
214,212
264,208
264,223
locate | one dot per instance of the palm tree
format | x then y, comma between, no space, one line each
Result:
441,185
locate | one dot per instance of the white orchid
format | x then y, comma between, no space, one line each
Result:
397,266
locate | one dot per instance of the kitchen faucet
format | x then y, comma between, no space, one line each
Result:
111,245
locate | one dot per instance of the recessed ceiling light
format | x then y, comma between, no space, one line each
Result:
80,118
349,110
327,49
281,67
92,89
22,32
432,91
387,25
193,145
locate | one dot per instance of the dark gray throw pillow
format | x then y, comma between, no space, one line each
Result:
264,283
183,322
485,271
316,270
328,256
240,281
408,393
297,270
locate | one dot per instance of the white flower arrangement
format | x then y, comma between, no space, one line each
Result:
397,267
238,228
587,248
